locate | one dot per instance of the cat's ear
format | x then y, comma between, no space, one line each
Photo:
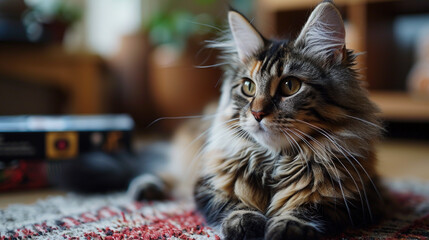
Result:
246,38
324,34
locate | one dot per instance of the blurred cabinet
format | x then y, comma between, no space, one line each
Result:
399,106
77,75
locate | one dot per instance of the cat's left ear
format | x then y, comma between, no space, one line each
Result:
323,35
246,38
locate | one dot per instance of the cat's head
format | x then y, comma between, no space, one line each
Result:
281,92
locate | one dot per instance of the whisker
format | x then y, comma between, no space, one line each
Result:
210,66
342,150
292,132
200,150
207,131
357,188
343,194
181,117
323,132
330,162
207,25
299,147
365,121
349,173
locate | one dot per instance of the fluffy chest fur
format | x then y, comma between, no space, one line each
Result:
246,176
320,172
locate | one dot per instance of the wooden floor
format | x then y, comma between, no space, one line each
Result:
397,160
404,160
27,197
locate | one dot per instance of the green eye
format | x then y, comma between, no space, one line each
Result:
289,86
248,88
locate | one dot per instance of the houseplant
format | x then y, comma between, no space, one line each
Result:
50,19
179,82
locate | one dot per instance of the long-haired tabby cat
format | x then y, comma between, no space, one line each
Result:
290,151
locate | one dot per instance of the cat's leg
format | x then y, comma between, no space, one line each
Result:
148,187
291,226
244,224
234,219
315,220
289,219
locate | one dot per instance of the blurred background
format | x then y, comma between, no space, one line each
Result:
147,59
96,56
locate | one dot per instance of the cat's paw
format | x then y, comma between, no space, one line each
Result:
244,224
147,187
289,227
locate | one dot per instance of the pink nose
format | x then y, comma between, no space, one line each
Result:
259,115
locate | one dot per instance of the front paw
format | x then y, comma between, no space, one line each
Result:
147,187
290,227
244,224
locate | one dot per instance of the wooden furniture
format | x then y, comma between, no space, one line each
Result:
78,75
400,106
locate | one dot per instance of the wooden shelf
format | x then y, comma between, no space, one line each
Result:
401,106
282,5
78,75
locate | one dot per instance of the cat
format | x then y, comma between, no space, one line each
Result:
289,152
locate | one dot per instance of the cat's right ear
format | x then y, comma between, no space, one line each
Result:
324,34
246,38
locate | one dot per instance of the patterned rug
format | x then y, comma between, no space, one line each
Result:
114,216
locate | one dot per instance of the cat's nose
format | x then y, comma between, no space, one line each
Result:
259,115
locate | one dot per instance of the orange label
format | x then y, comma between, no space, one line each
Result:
62,145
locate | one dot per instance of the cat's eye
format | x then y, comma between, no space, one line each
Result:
248,88
289,86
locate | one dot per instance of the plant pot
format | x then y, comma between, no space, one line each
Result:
178,88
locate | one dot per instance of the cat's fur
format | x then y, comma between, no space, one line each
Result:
304,168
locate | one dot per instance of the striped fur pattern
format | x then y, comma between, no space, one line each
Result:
307,168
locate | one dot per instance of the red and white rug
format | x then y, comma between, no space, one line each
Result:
114,216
